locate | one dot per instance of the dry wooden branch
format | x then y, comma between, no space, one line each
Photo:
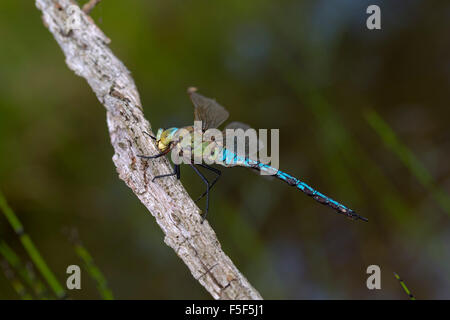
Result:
87,54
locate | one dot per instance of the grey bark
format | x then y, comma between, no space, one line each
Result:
88,55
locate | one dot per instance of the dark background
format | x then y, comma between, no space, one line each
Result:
311,69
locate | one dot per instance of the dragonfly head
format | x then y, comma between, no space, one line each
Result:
164,137
159,134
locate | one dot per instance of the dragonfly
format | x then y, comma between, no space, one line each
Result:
212,115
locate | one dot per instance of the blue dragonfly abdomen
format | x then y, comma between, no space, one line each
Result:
229,158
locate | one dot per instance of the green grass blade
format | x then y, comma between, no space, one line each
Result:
405,288
407,157
86,257
31,249
25,273
94,272
15,282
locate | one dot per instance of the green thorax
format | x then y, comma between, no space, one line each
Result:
184,140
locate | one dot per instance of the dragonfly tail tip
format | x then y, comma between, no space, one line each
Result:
364,219
356,216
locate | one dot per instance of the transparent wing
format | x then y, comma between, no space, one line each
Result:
252,144
237,125
207,110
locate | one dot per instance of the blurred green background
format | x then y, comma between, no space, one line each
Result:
363,116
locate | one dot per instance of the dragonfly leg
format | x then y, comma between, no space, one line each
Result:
158,155
176,171
153,157
207,189
154,138
216,171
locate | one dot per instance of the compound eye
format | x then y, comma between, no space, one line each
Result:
159,134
